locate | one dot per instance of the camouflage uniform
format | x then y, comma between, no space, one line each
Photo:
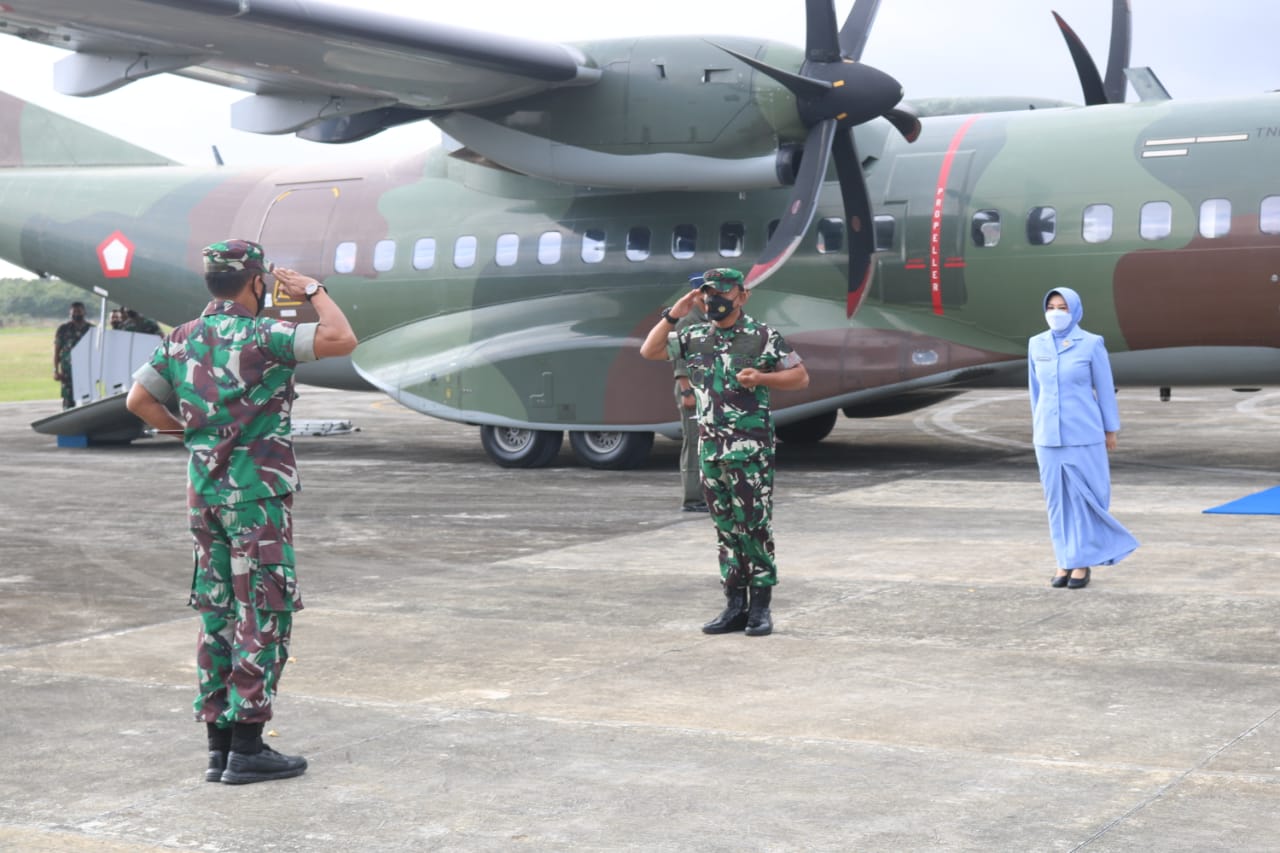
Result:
735,447
64,340
135,322
690,471
233,376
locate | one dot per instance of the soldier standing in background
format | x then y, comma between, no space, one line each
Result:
687,405
232,372
64,340
733,363
135,322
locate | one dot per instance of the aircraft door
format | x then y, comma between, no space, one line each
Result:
927,191
293,235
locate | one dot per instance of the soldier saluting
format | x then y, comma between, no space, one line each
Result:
232,372
733,364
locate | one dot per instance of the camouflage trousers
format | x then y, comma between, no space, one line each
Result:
68,393
245,589
739,495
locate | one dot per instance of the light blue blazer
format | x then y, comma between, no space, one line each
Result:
1073,397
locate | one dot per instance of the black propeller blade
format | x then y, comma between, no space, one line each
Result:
833,93
1096,89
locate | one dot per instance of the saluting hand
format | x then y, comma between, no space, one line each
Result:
293,282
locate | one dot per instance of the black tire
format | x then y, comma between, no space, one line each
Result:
808,431
511,447
611,451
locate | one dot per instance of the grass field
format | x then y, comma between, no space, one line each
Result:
26,364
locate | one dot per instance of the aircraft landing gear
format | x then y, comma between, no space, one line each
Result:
511,447
612,451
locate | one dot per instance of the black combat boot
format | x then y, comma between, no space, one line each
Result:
219,746
759,620
734,616
250,760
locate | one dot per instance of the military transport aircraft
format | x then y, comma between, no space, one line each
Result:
506,279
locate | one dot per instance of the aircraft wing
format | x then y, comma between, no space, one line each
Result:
303,61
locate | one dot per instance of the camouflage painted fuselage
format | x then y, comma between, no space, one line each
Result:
511,340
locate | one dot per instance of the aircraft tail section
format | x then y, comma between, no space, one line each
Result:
33,137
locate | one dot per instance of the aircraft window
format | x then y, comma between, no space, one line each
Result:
732,236
1099,223
830,235
1269,215
1215,218
424,253
344,257
986,228
508,249
684,241
593,246
464,252
1156,220
883,228
1042,226
638,241
549,247
384,255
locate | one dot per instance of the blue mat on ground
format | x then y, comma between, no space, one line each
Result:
1262,503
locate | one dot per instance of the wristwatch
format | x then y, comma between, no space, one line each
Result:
313,288
666,315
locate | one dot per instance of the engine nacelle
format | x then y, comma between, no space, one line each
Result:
666,114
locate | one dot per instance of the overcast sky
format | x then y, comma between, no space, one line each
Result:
933,47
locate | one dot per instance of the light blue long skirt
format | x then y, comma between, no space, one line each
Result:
1077,493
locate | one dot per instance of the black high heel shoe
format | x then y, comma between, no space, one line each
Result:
1080,583
1059,581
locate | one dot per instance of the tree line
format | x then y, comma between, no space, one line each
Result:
40,299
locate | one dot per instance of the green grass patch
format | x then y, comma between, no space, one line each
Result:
26,364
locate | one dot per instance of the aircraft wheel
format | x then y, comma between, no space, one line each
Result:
808,431
511,447
612,451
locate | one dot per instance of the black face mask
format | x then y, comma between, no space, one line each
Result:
261,297
719,307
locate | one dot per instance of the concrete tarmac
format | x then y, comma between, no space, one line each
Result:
498,660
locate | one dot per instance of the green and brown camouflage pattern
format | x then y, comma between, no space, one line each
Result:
554,346
736,436
734,422
65,338
233,375
245,587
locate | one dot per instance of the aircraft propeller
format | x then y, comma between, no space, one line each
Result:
1096,89
834,92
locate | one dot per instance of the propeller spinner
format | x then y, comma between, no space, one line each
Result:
834,92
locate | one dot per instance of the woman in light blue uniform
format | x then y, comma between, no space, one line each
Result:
1074,423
